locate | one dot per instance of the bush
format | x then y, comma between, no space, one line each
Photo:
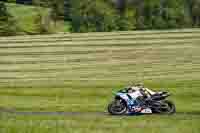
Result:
7,22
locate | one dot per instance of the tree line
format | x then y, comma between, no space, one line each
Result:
121,15
115,15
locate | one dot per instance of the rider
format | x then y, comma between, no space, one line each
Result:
140,90
138,93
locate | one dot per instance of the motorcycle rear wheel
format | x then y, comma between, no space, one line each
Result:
169,108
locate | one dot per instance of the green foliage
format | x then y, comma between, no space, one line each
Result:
127,20
163,14
57,8
43,3
29,19
7,23
92,15
121,15
98,16
55,5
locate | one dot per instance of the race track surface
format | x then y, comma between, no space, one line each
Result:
61,113
16,112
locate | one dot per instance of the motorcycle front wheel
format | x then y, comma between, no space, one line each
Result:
117,107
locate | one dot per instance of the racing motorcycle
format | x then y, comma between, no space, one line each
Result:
156,103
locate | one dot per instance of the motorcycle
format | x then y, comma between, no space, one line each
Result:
124,104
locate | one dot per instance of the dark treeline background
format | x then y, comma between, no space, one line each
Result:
113,15
120,15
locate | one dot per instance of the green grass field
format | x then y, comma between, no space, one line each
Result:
80,72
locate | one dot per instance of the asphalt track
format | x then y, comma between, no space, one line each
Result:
56,113
59,113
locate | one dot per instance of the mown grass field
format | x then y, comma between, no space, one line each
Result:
80,72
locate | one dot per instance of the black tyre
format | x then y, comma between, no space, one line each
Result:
117,107
168,107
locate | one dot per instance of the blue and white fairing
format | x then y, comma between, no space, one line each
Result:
133,105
